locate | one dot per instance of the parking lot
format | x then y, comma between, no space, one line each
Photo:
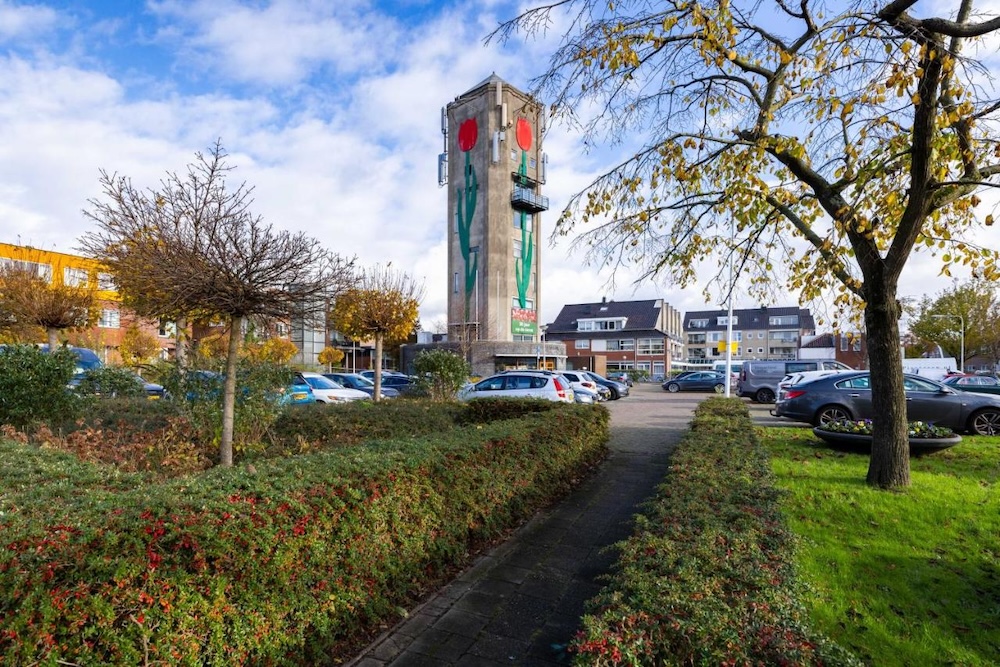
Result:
649,393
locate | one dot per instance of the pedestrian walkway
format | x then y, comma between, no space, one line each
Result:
521,603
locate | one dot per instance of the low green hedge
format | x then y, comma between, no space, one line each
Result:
707,577
267,564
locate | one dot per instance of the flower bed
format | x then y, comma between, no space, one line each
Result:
266,565
922,435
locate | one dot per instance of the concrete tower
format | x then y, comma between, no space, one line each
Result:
494,169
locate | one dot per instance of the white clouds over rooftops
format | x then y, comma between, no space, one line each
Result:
329,109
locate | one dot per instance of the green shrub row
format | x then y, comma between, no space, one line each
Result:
707,578
272,563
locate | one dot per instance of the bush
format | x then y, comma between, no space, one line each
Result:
259,388
33,384
707,577
440,373
270,565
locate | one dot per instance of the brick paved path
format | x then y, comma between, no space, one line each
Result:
521,603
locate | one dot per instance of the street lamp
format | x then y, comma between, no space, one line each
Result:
961,320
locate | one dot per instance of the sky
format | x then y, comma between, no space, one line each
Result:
329,109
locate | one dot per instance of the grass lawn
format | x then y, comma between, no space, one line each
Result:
899,578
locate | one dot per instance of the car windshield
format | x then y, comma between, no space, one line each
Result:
320,382
360,381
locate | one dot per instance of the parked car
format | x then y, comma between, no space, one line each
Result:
404,384
361,383
204,385
617,389
759,379
520,384
370,374
620,376
799,378
981,384
585,395
848,396
697,381
326,390
298,393
580,381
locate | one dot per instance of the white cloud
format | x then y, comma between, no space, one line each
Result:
25,22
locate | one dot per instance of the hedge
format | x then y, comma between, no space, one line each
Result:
706,578
272,563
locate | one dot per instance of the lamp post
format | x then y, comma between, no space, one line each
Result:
961,332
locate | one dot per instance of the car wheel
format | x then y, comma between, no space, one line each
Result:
765,395
831,413
673,388
985,422
614,394
719,388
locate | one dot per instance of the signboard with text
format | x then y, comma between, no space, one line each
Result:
523,322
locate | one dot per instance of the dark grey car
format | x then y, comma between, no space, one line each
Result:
849,396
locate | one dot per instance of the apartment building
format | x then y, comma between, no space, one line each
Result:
77,271
614,336
759,333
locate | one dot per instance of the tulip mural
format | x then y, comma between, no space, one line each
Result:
466,206
522,266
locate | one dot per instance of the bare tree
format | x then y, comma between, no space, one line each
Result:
829,139
383,305
28,299
194,248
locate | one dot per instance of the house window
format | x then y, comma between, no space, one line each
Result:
583,344
783,321
843,342
75,277
621,345
528,220
651,346
698,324
724,321
760,334
110,319
105,282
760,350
167,329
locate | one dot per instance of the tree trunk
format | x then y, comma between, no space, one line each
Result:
229,393
180,349
53,336
377,366
889,466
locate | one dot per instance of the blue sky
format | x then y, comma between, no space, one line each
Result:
329,108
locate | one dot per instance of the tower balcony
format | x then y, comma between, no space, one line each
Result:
526,199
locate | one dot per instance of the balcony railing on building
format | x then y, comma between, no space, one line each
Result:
525,197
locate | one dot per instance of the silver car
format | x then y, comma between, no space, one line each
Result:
520,384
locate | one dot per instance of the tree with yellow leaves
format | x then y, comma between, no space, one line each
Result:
29,300
330,356
818,143
383,305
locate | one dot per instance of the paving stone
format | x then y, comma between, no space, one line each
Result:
502,649
521,603
462,622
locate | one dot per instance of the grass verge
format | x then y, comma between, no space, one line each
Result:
899,578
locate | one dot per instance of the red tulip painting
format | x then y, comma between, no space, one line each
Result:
468,132
523,134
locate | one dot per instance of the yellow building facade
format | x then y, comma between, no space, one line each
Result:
61,268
